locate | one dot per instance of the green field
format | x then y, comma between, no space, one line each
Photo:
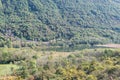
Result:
5,69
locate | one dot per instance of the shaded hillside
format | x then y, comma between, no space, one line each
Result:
67,21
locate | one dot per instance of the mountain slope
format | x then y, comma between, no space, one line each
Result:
67,21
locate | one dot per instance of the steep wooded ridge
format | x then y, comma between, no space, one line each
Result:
73,21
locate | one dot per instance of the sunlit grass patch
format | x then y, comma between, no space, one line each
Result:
6,69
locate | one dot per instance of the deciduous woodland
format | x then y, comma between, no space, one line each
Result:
88,64
69,22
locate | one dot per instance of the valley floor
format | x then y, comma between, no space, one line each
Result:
86,64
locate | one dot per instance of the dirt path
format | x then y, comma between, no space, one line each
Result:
110,45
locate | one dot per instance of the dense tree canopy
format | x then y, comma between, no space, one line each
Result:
71,21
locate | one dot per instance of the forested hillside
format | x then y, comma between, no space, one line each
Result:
67,21
59,39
